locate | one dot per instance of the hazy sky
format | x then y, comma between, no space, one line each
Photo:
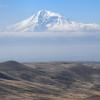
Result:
49,48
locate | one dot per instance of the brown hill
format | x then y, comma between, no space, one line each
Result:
49,81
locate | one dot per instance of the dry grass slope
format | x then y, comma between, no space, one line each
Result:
50,81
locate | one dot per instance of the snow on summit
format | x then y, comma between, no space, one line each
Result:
47,21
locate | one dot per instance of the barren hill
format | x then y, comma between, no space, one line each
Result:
50,81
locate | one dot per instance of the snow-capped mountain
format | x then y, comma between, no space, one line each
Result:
49,21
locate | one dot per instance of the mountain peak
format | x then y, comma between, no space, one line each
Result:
45,20
44,12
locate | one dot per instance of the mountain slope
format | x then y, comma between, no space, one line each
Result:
49,81
49,21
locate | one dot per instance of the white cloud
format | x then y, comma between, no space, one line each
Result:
49,34
75,27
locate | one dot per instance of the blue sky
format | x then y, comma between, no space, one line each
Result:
49,49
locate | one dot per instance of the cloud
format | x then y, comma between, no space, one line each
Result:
67,29
75,27
50,34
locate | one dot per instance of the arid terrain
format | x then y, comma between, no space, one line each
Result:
50,81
